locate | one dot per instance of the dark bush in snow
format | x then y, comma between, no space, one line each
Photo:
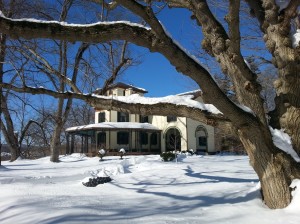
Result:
93,182
168,156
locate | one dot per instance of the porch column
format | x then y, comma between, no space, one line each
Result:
109,137
86,143
72,143
68,143
82,144
136,141
159,141
93,142
130,141
149,135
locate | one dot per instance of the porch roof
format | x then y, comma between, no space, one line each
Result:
114,126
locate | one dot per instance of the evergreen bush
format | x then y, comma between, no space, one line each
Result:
167,156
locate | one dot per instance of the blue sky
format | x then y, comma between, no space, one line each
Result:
156,74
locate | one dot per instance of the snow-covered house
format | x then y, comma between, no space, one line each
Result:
143,134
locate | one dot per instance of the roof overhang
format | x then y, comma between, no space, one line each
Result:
114,126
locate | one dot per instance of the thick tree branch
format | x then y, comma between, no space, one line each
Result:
146,13
257,10
233,19
114,104
227,53
290,12
89,33
178,4
101,32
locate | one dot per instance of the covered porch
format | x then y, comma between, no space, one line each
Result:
135,138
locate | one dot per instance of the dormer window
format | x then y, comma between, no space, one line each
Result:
171,118
123,117
144,119
101,117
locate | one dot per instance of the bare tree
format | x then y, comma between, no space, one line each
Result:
276,169
71,71
13,135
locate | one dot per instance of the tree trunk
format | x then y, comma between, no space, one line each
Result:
14,151
55,143
275,169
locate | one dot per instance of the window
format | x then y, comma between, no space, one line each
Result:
101,138
144,138
123,117
144,119
123,138
153,139
202,141
101,117
171,118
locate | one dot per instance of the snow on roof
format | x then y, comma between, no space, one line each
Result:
194,93
185,100
115,125
123,86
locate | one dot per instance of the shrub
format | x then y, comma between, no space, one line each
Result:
122,153
93,182
168,156
191,151
101,154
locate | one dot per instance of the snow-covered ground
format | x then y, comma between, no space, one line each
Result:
196,189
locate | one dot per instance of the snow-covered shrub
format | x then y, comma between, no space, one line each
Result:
93,182
167,156
101,154
191,151
122,152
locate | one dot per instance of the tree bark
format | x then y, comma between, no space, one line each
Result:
275,169
55,142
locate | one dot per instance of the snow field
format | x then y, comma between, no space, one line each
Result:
196,189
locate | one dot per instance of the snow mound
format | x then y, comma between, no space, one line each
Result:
294,206
108,170
5,154
73,157
296,38
283,141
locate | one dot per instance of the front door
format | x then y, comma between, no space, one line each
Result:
173,140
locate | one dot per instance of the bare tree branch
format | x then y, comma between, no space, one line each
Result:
109,6
147,14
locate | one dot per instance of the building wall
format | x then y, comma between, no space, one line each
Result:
111,137
186,126
180,124
192,127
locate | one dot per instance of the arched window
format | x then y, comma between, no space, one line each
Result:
173,139
201,139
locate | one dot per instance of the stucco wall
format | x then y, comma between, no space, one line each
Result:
180,124
186,126
192,126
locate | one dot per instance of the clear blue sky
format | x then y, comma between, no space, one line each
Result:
156,74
